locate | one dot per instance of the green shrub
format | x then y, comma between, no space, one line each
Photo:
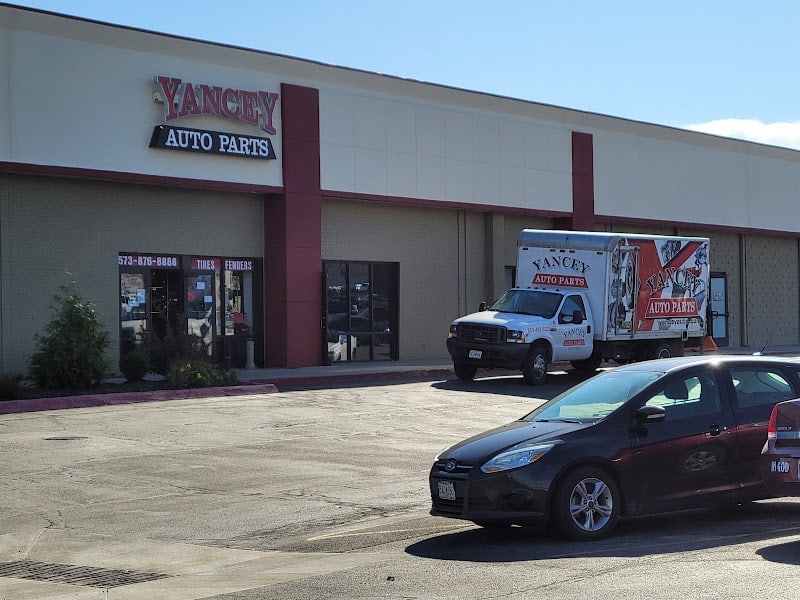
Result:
9,387
72,352
134,365
174,347
200,373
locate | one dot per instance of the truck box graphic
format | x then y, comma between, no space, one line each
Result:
635,284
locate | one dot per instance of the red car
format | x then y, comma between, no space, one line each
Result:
780,458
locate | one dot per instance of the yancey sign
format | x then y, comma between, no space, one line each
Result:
184,99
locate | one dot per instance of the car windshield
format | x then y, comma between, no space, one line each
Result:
528,302
595,398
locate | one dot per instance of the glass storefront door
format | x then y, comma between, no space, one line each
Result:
240,315
719,308
361,311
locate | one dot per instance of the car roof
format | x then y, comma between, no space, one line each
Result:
665,365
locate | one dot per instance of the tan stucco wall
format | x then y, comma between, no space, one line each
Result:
49,227
772,303
441,258
724,258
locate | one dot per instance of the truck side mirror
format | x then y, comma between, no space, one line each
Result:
576,318
482,307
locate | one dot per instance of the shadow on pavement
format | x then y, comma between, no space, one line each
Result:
663,534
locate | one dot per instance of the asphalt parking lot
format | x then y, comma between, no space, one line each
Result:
317,492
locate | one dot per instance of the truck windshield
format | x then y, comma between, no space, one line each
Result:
528,302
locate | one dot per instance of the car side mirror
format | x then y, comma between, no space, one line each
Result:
482,307
649,414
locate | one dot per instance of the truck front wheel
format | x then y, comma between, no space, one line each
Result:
465,371
534,367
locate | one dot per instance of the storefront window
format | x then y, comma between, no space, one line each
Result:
213,300
234,303
200,309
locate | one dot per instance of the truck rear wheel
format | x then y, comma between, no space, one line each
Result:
588,364
534,367
465,371
668,349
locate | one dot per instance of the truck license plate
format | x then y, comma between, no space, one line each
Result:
475,353
447,491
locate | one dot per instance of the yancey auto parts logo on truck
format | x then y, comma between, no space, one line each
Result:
184,99
577,279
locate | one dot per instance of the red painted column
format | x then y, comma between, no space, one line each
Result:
582,182
293,239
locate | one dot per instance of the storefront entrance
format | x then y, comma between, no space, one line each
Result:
719,308
360,306
172,305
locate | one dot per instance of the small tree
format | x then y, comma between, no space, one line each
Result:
72,353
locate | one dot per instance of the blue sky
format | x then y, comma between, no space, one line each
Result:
724,67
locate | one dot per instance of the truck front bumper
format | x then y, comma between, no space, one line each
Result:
507,356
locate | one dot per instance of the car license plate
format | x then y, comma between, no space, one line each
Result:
447,491
475,353
780,466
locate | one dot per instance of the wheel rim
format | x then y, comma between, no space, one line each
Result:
699,461
591,504
664,353
539,366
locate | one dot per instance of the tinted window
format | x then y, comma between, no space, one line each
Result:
760,385
688,397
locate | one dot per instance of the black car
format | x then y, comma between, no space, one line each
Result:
643,438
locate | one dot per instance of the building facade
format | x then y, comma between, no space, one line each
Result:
291,213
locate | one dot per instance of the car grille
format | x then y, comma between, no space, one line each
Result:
453,508
459,472
458,476
472,332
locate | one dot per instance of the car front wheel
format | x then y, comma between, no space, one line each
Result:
587,504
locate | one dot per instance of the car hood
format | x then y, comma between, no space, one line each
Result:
485,445
501,319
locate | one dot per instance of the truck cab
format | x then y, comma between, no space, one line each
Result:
525,329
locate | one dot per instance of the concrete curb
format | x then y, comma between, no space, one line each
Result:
253,386
354,377
90,400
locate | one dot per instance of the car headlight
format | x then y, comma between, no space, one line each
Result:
515,337
516,457
453,330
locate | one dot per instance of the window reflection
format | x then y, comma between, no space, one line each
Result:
361,311
133,310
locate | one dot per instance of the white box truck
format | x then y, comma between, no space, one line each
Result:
585,297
